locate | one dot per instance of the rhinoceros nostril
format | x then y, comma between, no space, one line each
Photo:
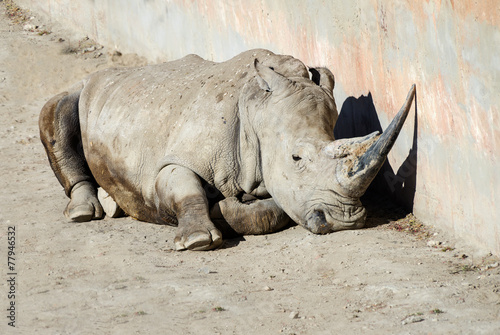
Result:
319,213
317,224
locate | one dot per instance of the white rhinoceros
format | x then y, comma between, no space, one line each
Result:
240,146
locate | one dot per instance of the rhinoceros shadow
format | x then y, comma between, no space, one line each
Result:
391,195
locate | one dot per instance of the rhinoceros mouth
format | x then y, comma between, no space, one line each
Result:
326,220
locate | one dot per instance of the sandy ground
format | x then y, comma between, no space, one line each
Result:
121,276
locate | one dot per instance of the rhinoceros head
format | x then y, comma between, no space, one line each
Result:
315,179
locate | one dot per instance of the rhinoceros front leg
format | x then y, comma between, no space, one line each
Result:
179,190
249,216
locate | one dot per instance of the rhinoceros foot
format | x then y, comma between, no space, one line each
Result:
84,205
198,237
109,205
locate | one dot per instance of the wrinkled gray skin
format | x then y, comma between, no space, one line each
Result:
246,144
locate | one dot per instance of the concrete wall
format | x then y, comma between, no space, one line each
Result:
446,164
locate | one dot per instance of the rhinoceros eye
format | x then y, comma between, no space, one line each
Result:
296,157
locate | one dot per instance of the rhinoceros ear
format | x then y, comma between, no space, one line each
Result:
323,77
268,79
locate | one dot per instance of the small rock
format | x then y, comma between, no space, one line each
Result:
434,243
412,319
267,288
89,49
29,27
492,266
206,270
294,315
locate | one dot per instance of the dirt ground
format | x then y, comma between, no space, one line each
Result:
121,276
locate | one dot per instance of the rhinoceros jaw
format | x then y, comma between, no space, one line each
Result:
325,220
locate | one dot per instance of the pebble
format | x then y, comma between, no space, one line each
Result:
434,243
489,266
267,288
29,27
294,315
412,319
206,270
89,49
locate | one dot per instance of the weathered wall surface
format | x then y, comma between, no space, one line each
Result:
446,163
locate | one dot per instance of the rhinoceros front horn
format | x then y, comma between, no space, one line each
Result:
356,175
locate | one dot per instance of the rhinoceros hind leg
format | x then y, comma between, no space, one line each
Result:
60,134
179,191
84,205
248,216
